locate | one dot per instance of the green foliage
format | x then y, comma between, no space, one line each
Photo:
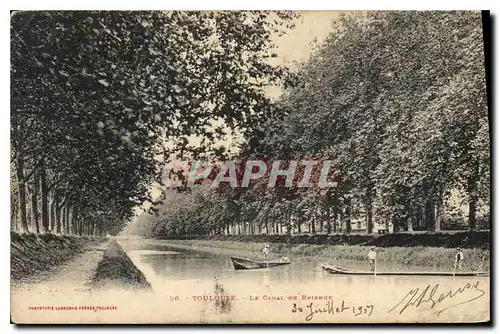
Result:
397,100
95,95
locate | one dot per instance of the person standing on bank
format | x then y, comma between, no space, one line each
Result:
459,259
372,258
483,257
266,250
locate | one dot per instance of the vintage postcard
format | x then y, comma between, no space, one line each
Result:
249,167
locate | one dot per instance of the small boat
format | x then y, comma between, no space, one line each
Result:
341,271
246,264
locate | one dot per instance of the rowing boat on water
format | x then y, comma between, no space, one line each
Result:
246,264
341,271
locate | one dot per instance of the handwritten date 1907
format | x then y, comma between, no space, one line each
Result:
329,308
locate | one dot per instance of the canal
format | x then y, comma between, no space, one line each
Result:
199,285
204,282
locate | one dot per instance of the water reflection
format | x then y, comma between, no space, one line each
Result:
196,275
222,302
265,279
167,262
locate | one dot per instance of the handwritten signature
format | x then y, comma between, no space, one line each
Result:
329,308
430,296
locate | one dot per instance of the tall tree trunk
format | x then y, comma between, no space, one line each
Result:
472,212
68,222
430,222
328,221
34,205
473,198
437,209
80,226
21,189
369,217
57,213
52,213
335,221
347,216
14,224
422,216
63,220
409,224
341,221
73,220
369,208
44,192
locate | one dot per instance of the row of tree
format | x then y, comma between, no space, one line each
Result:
397,101
94,96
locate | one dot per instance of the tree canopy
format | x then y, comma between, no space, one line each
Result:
397,101
95,96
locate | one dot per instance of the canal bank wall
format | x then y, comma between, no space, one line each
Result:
439,258
463,239
33,254
116,269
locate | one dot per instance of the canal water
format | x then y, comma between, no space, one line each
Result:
205,283
192,285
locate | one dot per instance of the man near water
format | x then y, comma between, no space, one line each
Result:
266,250
459,258
483,257
372,257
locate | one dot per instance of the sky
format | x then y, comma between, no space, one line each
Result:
297,44
311,29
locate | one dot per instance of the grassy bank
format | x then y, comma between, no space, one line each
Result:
33,254
464,239
117,269
432,257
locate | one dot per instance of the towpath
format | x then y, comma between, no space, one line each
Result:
73,275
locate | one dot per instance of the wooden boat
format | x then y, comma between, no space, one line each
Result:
247,264
341,271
